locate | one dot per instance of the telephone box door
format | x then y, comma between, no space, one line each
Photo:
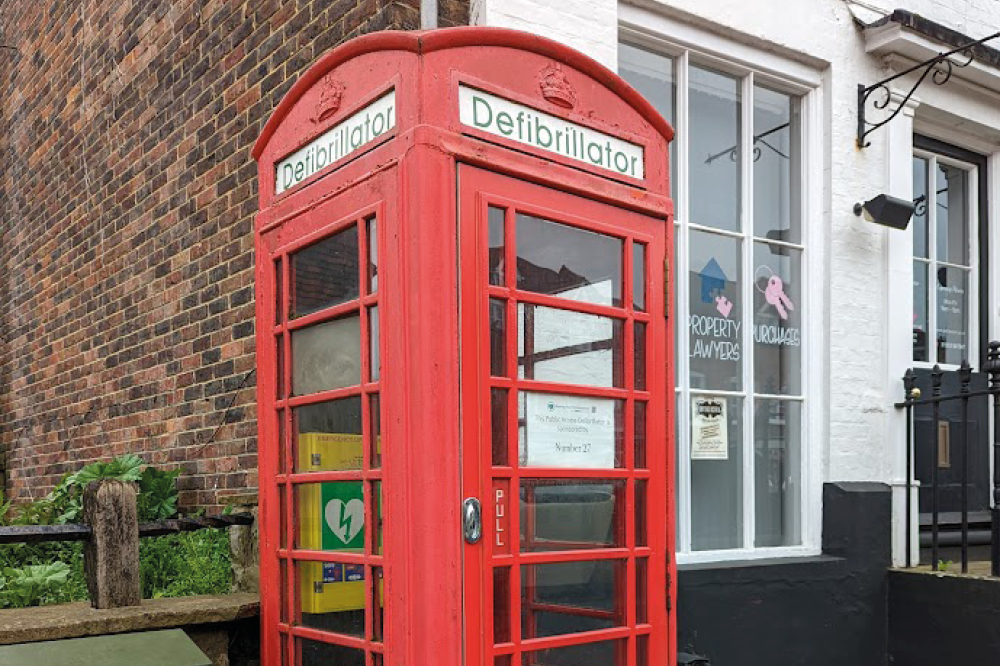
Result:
564,374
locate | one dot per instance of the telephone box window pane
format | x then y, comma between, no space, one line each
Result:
495,237
332,597
282,463
776,166
331,516
375,415
652,75
501,605
502,660
921,310
919,224
715,324
640,434
570,431
375,358
639,355
777,319
317,653
560,598
715,134
372,255
561,514
605,653
642,651
498,337
777,473
378,538
568,262
378,600
326,356
952,215
568,347
326,273
329,436
498,426
639,276
716,472
952,315
278,292
279,342
640,513
641,590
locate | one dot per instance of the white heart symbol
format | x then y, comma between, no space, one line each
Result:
345,520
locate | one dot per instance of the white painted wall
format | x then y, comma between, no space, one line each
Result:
861,377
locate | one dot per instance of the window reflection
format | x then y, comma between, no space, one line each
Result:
777,491
556,345
776,167
714,135
326,356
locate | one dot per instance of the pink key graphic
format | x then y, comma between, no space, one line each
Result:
723,305
775,295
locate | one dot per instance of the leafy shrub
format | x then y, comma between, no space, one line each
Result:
171,566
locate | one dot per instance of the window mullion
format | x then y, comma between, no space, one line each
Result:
681,270
931,185
746,215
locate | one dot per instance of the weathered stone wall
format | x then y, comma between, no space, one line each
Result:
127,194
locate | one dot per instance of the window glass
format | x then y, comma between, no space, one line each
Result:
714,101
776,168
952,315
716,472
919,224
570,431
329,435
777,319
652,75
575,588
777,492
952,215
325,273
921,310
326,356
564,261
559,514
495,238
715,321
569,347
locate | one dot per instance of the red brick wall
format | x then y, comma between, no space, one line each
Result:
127,193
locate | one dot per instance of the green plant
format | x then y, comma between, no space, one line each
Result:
34,584
157,494
944,565
183,564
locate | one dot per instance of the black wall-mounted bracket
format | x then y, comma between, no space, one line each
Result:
938,68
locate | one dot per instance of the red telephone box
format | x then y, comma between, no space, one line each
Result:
465,379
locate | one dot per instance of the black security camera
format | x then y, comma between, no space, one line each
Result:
884,209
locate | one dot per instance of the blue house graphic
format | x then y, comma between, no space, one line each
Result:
712,280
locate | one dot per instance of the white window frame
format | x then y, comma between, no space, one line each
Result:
686,44
972,315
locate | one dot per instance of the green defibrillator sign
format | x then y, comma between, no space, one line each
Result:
343,525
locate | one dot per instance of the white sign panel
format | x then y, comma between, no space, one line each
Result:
338,142
709,429
539,130
568,431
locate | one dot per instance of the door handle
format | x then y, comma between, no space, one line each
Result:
472,520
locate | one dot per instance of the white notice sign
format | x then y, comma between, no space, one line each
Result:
568,431
709,429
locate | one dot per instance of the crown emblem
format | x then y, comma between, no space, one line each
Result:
556,87
330,97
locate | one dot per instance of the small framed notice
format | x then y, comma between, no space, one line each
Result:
709,429
568,431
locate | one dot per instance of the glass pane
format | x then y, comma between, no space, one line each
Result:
716,473
639,356
952,215
280,348
919,225
498,337
375,414
605,653
570,431
501,605
571,263
325,273
372,255
715,107
556,345
653,76
640,435
553,596
502,660
495,233
642,651
331,516
375,358
921,310
561,514
777,319
377,518
498,426
326,356
639,276
378,599
715,322
641,590
332,597
640,513
329,435
279,292
316,653
777,473
776,166
952,315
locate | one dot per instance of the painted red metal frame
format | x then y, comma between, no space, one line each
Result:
435,587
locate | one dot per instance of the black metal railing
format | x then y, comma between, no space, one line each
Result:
81,532
914,399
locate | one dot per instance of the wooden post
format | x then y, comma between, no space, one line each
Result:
111,556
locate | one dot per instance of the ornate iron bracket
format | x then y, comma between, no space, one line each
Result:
939,68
